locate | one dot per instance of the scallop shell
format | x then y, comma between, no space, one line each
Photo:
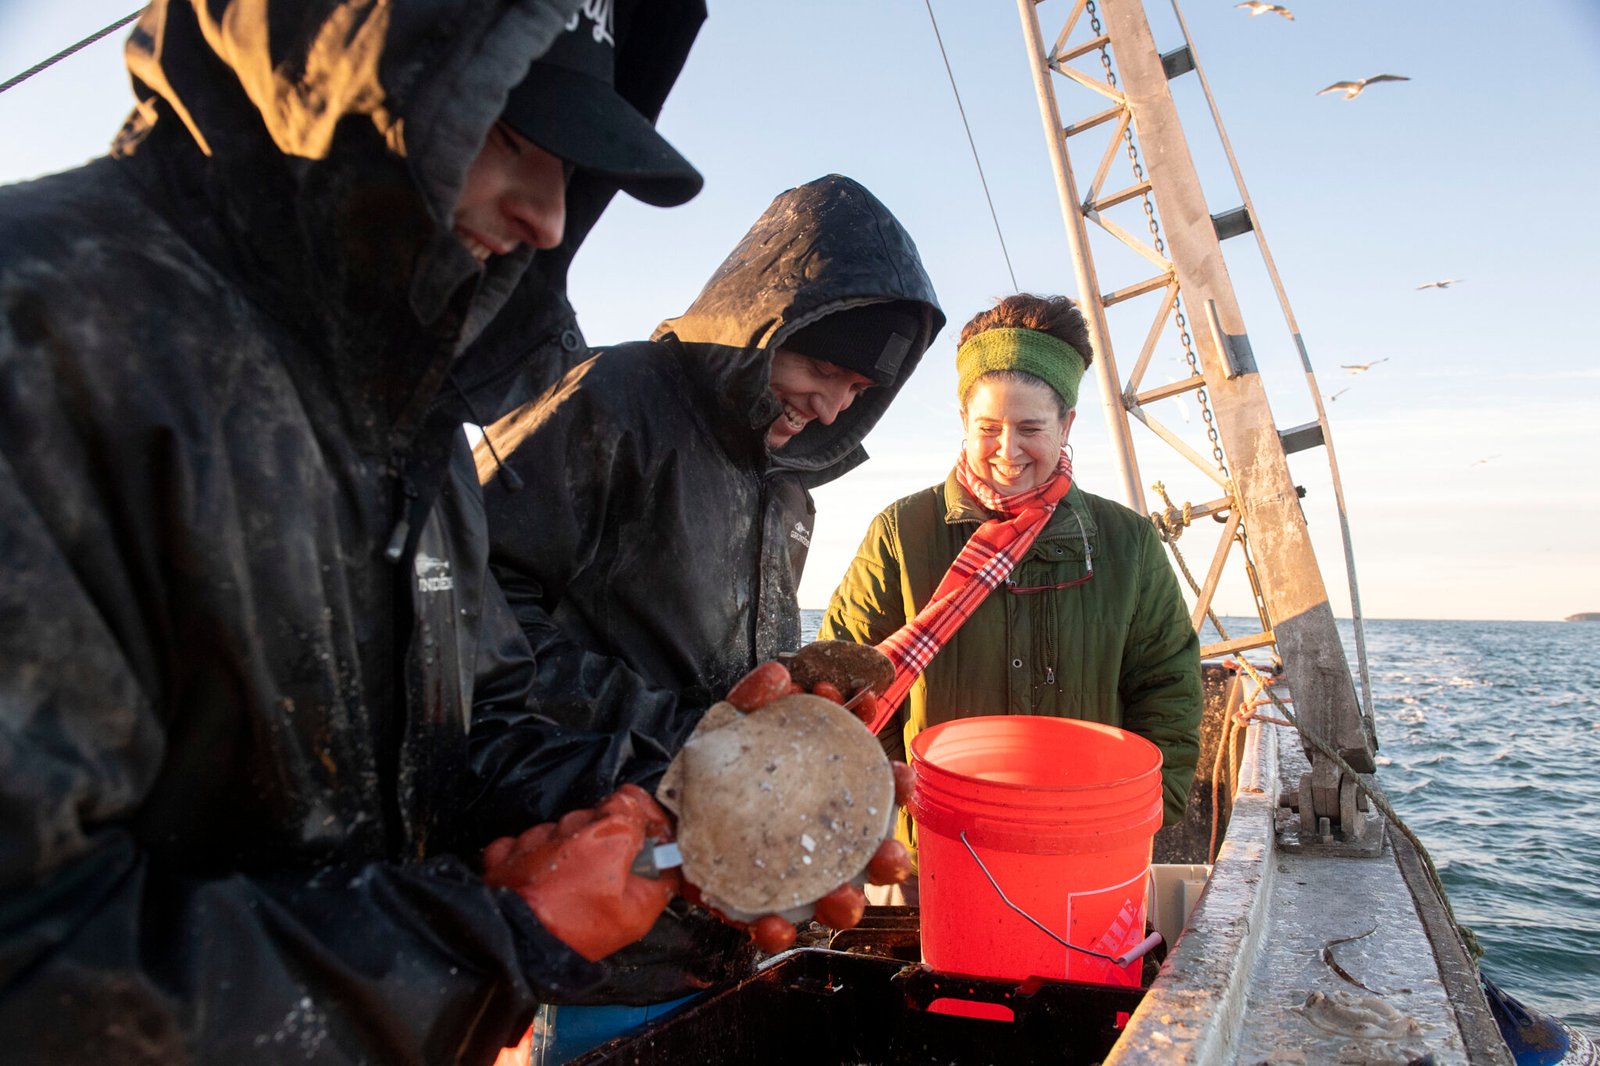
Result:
778,807
850,666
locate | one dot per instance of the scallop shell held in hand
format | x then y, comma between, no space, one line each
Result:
778,807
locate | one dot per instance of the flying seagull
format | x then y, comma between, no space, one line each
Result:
1338,394
1485,459
1361,368
1256,7
1445,284
1352,89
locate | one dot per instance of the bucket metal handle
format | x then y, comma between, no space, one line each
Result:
1138,951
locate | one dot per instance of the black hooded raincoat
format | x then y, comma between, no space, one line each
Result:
240,614
653,553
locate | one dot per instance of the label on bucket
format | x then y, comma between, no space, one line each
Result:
1124,933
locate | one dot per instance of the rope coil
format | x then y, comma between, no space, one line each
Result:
1171,521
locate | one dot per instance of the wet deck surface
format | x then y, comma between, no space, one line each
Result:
1301,1009
1249,983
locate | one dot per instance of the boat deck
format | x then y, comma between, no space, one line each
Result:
1256,976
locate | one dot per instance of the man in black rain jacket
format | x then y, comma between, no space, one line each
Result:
653,552
239,624
650,513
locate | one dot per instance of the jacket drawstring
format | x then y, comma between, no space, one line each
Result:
402,529
508,477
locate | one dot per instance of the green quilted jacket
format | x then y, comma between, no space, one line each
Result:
1115,646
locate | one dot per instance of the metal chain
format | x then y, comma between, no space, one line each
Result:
1161,250
1187,341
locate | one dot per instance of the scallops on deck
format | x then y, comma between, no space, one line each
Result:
778,807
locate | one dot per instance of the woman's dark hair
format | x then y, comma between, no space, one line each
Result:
1056,315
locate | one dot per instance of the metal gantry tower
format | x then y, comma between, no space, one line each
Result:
1126,109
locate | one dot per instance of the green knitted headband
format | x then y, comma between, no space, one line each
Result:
1050,359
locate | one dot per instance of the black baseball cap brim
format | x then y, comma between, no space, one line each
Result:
582,120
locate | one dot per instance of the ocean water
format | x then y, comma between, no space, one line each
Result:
1489,749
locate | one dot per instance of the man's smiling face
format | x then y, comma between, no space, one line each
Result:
811,390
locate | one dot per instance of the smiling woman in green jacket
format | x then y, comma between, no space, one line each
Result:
1089,623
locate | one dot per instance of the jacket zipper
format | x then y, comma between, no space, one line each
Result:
392,720
1088,567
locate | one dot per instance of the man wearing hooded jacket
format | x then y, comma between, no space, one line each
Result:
653,547
650,511
239,624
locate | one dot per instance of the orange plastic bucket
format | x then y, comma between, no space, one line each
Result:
1061,814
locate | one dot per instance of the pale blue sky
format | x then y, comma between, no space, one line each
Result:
1466,454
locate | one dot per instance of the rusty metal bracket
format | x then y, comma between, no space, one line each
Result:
1348,827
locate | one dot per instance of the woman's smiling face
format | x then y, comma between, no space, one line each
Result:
1014,433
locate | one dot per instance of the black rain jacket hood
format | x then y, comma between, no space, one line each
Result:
822,247
320,149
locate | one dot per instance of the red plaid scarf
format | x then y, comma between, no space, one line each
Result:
984,561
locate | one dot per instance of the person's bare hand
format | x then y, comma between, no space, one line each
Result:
840,675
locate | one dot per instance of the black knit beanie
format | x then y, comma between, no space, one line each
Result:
872,339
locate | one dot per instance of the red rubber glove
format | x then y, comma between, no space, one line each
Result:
844,907
576,874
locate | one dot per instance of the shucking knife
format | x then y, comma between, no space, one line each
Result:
655,857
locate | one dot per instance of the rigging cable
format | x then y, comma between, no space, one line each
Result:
972,144
65,52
